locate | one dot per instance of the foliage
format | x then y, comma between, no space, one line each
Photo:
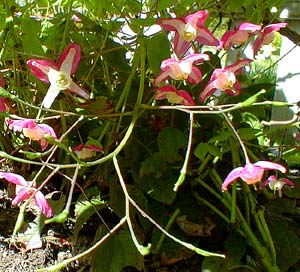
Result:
146,174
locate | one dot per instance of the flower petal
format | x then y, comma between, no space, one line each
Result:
47,130
43,204
195,76
74,88
22,195
204,36
267,165
51,94
14,178
70,58
40,68
232,176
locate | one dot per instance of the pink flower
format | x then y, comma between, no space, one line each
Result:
182,69
238,36
59,75
86,151
276,184
33,131
174,96
188,29
266,36
224,79
25,190
4,104
251,173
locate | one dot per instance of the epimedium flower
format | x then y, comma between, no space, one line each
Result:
238,36
251,173
266,36
174,96
188,29
224,79
32,130
182,69
25,190
277,184
59,74
86,151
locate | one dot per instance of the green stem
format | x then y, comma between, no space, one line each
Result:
167,227
187,155
212,207
260,250
261,216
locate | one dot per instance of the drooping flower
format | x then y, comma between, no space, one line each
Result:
276,184
238,36
251,173
59,74
25,190
86,151
33,131
224,79
174,96
182,69
266,36
188,29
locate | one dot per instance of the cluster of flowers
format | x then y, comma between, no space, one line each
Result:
59,75
191,29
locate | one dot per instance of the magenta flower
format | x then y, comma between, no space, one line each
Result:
182,69
188,29
238,36
224,79
33,131
276,184
251,173
59,74
25,190
86,151
174,96
266,36
4,104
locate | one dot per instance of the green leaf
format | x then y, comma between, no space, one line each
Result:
286,240
155,165
30,38
158,50
170,141
116,253
201,150
85,209
249,133
235,246
212,264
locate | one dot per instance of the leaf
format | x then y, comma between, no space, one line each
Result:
155,165
85,209
286,240
116,253
30,39
249,133
201,150
251,120
158,50
170,141
212,264
32,236
235,246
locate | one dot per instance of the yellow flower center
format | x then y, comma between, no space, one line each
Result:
59,80
189,33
